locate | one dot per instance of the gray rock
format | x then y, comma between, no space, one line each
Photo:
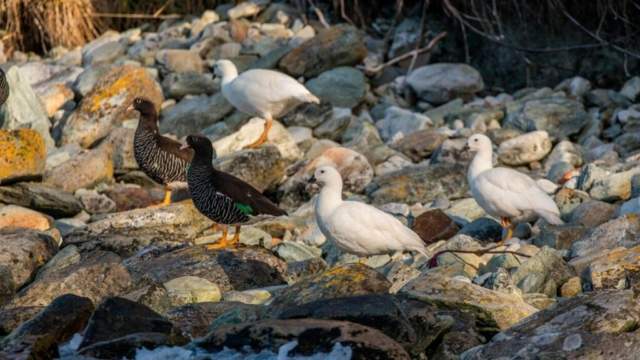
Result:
576,86
631,206
83,171
23,108
483,229
341,87
104,53
623,231
567,331
614,187
559,237
89,78
191,115
419,184
178,60
421,144
560,117
263,168
592,213
178,85
334,127
439,83
41,197
402,122
95,203
525,149
294,251
543,273
631,88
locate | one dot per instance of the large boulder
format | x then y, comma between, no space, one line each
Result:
40,337
440,83
23,109
560,117
311,336
191,115
130,231
239,269
332,47
22,252
600,325
106,105
507,309
23,155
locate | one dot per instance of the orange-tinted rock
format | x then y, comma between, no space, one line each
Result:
106,105
332,47
435,225
23,154
19,217
53,97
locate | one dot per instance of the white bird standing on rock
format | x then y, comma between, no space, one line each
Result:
356,227
263,93
506,193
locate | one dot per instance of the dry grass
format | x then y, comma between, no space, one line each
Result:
42,24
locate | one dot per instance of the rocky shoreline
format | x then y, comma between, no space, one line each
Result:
89,268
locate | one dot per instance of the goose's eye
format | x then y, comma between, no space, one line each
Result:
321,171
476,140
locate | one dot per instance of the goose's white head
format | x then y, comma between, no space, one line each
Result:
478,143
224,68
327,176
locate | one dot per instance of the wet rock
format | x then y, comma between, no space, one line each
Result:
399,122
434,225
332,47
439,83
178,85
191,289
193,114
507,309
22,252
623,231
558,116
617,269
116,317
39,337
586,326
543,273
420,144
104,107
279,137
419,184
24,110
239,269
339,281
312,336
128,346
86,170
341,87
23,155
94,275
525,149
179,61
130,231
13,216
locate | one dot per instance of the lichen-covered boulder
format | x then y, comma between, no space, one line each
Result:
106,105
23,155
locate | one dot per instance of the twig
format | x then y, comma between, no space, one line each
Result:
343,13
423,30
319,14
416,52
161,10
386,43
136,16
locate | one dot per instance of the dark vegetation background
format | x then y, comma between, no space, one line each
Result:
514,43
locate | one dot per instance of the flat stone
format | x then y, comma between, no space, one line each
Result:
440,83
83,171
399,122
20,217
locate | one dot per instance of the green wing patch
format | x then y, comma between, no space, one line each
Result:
244,208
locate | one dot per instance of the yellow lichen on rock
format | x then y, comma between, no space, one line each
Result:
23,154
105,106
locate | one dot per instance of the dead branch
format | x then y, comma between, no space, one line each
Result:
319,14
136,16
343,13
416,52
423,31
386,43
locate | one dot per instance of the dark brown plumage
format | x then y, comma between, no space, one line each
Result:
160,157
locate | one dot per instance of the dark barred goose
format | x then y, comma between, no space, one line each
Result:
4,88
159,157
222,197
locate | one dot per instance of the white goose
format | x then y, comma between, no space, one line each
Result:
505,193
263,93
356,227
